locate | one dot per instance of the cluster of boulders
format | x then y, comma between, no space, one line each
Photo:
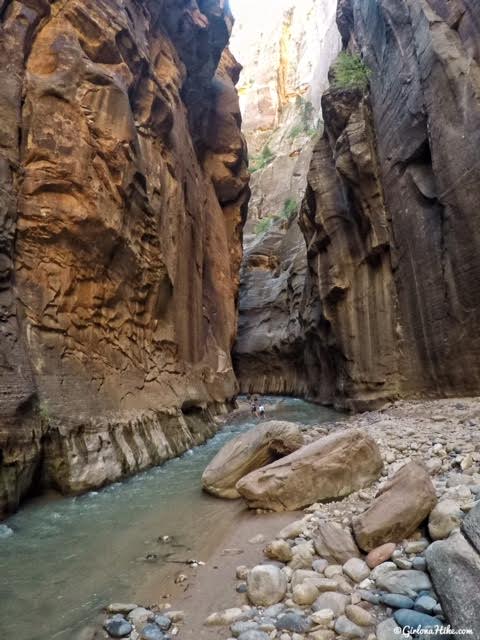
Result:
138,623
398,555
330,467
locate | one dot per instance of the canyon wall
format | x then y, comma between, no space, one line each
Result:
391,215
123,193
286,55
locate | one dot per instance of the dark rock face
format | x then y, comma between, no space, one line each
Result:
269,351
391,213
123,187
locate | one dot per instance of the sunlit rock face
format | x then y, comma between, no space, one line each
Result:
123,188
286,48
391,214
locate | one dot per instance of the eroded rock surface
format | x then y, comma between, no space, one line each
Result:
286,59
388,306
455,568
123,180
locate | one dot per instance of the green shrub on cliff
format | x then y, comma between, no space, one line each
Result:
263,225
307,123
44,413
261,161
289,209
350,72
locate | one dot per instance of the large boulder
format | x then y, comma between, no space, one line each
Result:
404,502
334,544
249,451
454,566
332,467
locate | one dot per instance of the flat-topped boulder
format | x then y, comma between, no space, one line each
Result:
331,467
403,504
249,451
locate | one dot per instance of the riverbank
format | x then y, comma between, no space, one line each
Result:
444,436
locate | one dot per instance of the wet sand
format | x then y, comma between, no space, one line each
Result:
212,587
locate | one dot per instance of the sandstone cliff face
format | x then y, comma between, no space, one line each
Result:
123,188
391,212
286,63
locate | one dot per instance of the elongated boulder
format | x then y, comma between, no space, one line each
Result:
331,467
405,501
247,452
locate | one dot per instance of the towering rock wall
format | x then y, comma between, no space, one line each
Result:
123,188
286,52
391,213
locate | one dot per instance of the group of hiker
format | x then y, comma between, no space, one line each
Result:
257,409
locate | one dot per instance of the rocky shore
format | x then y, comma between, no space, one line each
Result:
398,556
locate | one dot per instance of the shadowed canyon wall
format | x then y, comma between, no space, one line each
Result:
123,192
390,306
391,213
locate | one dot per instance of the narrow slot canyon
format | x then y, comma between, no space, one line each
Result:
239,319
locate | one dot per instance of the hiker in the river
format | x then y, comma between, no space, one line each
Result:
254,409
261,411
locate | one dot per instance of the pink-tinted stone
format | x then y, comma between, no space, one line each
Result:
380,554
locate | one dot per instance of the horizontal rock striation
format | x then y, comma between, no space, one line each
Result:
123,189
390,215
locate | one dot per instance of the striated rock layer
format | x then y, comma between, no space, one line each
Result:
123,189
391,214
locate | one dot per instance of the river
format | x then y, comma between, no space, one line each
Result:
61,560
